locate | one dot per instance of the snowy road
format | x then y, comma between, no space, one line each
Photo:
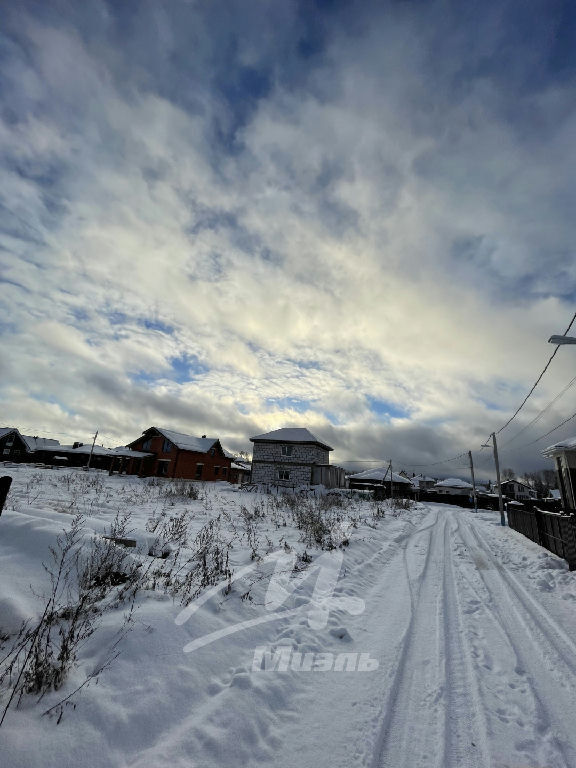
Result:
471,628
475,668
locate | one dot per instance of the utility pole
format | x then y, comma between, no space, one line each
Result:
473,481
91,450
391,488
500,500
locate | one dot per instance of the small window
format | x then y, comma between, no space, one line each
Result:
286,450
199,470
283,474
216,470
167,446
6,451
224,471
212,451
147,444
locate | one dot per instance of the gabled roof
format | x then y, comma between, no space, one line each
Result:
518,482
378,475
290,435
6,431
453,482
184,442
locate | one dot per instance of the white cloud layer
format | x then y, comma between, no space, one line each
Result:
375,245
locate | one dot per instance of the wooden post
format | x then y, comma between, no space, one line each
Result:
5,483
497,463
473,481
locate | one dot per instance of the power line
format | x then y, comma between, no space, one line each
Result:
542,412
551,430
523,403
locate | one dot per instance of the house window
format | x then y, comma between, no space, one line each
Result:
199,470
286,450
6,451
224,471
283,474
162,469
216,470
167,447
212,451
147,444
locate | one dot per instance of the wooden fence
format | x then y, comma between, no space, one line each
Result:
554,531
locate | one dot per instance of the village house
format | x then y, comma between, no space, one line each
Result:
422,483
176,455
564,456
453,486
517,490
379,479
294,456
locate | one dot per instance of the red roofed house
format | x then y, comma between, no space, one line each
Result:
177,455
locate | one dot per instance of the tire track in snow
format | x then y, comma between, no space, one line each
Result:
413,717
465,740
542,648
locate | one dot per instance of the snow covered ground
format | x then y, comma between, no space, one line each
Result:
427,637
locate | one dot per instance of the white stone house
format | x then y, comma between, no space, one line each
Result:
293,456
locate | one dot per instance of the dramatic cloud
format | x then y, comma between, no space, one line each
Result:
229,217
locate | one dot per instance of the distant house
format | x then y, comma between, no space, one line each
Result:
453,486
564,456
12,445
17,447
240,471
293,456
517,490
176,455
377,479
422,483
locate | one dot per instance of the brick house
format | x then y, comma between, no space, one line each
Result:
177,455
291,457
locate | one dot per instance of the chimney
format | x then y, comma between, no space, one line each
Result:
203,437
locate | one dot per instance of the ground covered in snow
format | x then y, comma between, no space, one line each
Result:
244,629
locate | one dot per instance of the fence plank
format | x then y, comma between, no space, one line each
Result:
5,483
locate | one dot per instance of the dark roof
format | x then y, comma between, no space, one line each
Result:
290,435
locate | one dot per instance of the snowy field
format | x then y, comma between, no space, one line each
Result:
422,637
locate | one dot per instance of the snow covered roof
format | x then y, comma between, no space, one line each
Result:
40,443
554,493
569,445
380,474
6,431
241,467
186,442
290,435
453,482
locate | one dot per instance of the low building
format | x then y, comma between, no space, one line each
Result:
293,456
177,455
422,483
240,471
379,479
453,486
563,454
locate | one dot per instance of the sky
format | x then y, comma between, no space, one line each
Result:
226,217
